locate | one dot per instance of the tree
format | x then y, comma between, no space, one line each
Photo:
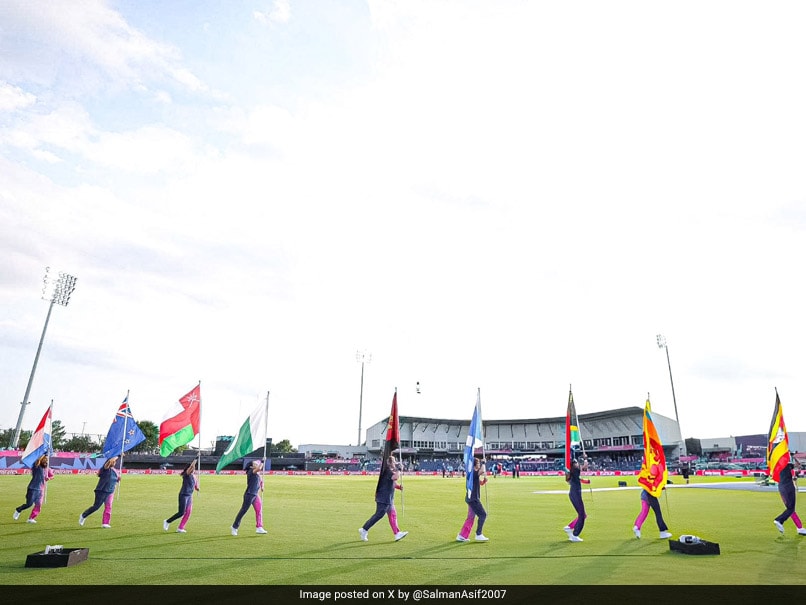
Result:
7,436
283,447
152,434
57,434
81,443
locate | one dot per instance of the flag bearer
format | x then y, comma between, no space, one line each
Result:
104,493
474,507
40,473
788,491
251,497
388,482
575,481
189,485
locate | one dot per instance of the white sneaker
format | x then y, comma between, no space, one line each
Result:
400,535
802,531
665,534
636,531
165,525
106,526
568,530
181,531
461,538
364,534
16,515
233,531
779,525
31,520
574,538
260,530
482,538
81,519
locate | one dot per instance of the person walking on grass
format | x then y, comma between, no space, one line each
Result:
474,507
788,490
40,473
104,493
575,481
189,484
388,482
251,497
649,501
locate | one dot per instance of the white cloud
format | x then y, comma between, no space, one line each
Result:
13,97
89,45
280,12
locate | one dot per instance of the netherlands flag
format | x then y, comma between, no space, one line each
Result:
39,444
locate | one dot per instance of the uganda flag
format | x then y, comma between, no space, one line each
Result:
653,475
778,455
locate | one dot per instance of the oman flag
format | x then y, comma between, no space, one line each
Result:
181,423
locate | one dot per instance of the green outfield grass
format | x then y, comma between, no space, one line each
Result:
313,535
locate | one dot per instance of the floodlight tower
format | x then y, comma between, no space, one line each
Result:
363,358
58,292
662,345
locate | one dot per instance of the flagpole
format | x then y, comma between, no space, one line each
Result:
666,491
668,512
198,455
122,444
265,447
483,454
50,451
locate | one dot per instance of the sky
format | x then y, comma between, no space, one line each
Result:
509,196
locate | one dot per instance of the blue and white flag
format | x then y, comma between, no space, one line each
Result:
474,441
124,433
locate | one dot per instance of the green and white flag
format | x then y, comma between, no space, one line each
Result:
251,436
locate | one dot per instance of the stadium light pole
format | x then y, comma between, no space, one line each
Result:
58,293
662,345
363,358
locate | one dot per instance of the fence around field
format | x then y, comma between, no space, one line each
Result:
302,473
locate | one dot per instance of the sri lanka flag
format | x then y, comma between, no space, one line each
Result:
40,442
778,455
653,475
124,434
181,423
572,439
474,441
392,441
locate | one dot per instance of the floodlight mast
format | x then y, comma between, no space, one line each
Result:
58,293
662,345
361,357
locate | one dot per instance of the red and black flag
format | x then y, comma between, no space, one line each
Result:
392,442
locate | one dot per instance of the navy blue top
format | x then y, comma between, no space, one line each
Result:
385,492
574,480
475,493
188,485
252,482
107,480
785,478
37,483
